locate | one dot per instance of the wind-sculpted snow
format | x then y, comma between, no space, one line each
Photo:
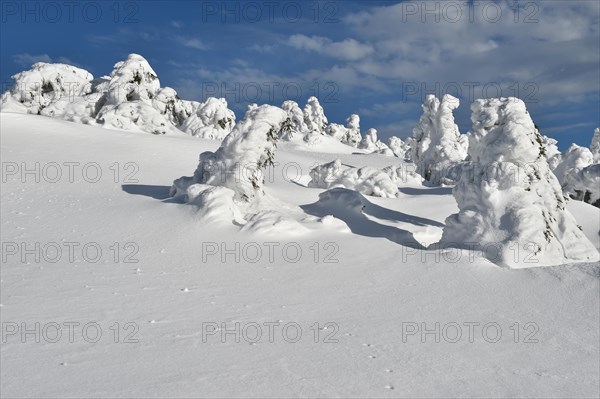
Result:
508,197
551,151
366,180
130,98
436,142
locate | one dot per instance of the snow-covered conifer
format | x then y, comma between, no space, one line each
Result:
595,146
510,203
240,161
314,116
436,142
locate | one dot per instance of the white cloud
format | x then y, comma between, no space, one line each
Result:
26,59
192,43
348,49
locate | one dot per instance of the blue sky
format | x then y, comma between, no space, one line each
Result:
377,59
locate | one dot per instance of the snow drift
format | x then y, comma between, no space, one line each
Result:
366,180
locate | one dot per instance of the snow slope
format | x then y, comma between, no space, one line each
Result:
376,289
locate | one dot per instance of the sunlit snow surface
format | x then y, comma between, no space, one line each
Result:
352,272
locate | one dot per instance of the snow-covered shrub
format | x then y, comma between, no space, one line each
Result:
572,161
131,80
239,162
510,203
130,98
44,84
372,144
436,142
137,116
167,103
337,131
352,136
314,116
584,184
403,173
296,116
128,101
366,180
595,146
210,120
399,148
577,175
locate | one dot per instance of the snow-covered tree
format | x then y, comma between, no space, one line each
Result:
314,116
352,136
578,175
239,162
399,148
210,120
336,131
130,98
572,161
167,103
44,84
372,144
595,146
296,116
436,142
584,184
510,203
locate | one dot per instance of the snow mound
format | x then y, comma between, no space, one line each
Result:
508,198
366,180
342,200
436,142
215,204
274,224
